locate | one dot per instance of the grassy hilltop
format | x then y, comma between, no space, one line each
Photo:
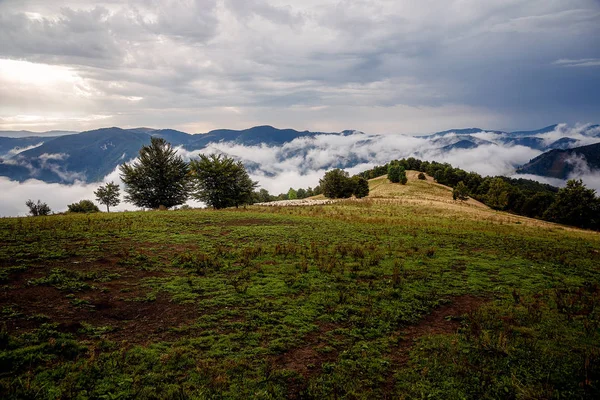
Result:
404,294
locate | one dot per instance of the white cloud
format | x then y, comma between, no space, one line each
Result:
584,62
303,161
17,150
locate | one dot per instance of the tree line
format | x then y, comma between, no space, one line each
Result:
159,178
574,204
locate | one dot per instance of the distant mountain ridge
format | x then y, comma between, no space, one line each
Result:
24,134
90,156
562,163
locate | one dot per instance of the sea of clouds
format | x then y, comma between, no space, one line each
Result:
302,162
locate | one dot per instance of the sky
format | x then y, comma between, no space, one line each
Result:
387,66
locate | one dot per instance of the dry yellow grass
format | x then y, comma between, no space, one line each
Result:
431,199
437,199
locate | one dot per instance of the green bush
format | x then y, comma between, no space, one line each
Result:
397,173
460,192
84,206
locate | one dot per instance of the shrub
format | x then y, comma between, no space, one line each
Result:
37,209
422,176
84,206
460,192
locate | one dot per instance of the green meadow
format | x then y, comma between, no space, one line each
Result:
404,294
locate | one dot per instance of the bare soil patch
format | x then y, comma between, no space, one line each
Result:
117,305
436,323
307,360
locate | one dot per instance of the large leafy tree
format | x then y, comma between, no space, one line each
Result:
108,195
576,205
336,184
220,181
158,178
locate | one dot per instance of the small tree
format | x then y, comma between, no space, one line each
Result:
109,195
159,178
361,186
497,195
397,173
263,196
422,176
84,206
394,172
301,193
336,184
460,192
221,182
292,194
37,209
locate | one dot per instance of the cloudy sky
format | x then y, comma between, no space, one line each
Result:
384,66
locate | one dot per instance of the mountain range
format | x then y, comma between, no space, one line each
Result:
66,157
564,163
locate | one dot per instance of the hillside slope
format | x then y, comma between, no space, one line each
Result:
406,294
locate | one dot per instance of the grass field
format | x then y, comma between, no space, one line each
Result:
405,294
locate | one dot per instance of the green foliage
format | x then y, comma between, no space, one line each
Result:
302,193
575,205
83,206
361,186
292,194
108,195
397,173
536,205
263,196
336,184
37,209
460,192
394,172
357,299
158,178
527,348
422,176
497,195
221,182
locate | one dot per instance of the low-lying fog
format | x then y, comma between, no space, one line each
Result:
302,162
